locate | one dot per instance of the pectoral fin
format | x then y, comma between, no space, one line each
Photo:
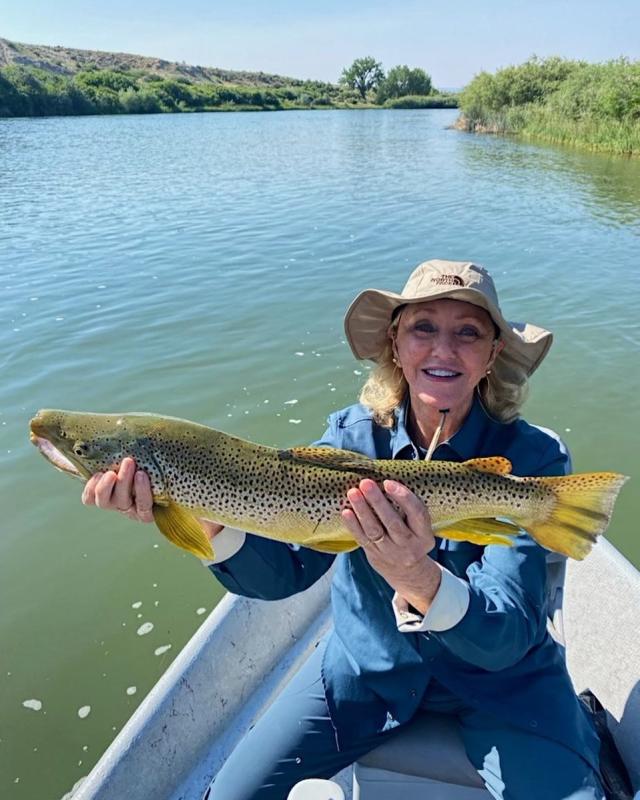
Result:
480,531
183,529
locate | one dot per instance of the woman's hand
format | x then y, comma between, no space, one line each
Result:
129,491
396,543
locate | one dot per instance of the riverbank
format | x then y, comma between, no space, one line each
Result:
589,106
39,81
29,92
33,92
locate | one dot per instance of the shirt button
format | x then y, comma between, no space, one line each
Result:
413,693
533,723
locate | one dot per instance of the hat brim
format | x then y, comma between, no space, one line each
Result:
368,317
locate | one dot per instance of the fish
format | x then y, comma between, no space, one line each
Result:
296,495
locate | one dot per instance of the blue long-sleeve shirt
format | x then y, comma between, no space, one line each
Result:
498,657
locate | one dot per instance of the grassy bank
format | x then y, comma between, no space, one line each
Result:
436,100
28,91
593,106
31,92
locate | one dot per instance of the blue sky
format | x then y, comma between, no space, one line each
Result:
452,41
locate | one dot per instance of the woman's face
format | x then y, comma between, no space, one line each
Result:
445,348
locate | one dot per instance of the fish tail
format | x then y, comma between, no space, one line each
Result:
581,512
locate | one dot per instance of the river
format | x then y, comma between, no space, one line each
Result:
199,265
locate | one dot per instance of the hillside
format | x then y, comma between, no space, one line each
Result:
67,61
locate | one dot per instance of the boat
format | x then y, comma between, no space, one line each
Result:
238,661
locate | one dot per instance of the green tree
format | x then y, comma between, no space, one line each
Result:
363,75
402,81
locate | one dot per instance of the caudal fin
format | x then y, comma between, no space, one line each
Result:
583,509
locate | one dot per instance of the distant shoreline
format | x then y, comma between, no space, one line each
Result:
38,80
586,106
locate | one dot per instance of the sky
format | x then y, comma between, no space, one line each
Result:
452,41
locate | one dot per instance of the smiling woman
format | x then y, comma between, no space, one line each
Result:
515,349
422,624
444,349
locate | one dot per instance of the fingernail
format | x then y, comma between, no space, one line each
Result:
389,487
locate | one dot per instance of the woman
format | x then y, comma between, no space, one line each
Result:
421,624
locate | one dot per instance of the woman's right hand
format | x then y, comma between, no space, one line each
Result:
129,491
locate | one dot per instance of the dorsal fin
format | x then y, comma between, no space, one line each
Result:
495,464
343,460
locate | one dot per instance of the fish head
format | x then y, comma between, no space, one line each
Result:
81,444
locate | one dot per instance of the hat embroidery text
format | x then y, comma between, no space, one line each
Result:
448,280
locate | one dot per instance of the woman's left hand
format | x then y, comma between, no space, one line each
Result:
396,543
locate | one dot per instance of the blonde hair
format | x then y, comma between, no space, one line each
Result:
502,392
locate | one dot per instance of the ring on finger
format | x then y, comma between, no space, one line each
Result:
376,541
126,510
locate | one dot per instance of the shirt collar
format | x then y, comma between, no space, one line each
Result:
466,442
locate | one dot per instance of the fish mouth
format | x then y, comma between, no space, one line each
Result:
55,457
40,436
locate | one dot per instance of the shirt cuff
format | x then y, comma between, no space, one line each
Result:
225,544
448,607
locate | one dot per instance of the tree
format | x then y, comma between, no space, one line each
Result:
402,81
364,74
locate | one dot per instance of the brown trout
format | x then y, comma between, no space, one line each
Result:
296,495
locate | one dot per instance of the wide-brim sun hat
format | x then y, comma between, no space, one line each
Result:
368,317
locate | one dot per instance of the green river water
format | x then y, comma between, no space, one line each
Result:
199,266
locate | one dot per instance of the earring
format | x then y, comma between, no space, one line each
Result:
395,361
488,372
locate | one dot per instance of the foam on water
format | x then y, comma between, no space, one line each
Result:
145,628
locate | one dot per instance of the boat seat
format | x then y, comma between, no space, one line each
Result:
426,759
598,612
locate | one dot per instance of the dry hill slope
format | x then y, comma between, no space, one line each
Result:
68,61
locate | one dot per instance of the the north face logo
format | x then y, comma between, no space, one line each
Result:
448,280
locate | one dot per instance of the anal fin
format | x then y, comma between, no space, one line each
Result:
481,531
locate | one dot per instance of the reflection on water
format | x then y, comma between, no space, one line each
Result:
199,265
609,186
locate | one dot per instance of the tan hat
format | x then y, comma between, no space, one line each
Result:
368,317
